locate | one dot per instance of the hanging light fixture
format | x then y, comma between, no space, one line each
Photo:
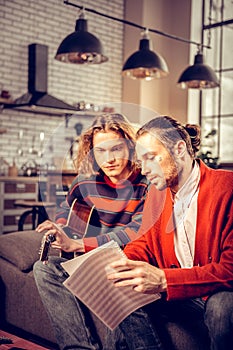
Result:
198,76
145,63
81,47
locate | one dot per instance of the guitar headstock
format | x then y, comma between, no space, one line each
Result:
45,247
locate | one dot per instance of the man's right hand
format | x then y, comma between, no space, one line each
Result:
62,242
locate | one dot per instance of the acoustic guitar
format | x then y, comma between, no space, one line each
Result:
81,222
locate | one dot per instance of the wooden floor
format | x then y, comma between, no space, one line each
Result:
18,343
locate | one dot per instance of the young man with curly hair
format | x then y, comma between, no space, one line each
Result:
109,180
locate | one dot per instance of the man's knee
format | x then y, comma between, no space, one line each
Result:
219,310
38,268
39,271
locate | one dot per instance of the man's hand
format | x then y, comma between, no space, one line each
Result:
62,242
142,276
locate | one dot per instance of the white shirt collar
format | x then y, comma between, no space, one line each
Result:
188,189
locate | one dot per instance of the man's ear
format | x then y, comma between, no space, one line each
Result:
180,148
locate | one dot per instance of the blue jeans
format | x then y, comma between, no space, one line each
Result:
74,328
212,319
71,320
218,318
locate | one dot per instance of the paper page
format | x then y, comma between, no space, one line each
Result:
71,265
88,283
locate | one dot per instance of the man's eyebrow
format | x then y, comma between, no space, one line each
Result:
149,153
98,148
121,143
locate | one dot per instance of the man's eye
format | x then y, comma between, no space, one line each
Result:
117,148
151,157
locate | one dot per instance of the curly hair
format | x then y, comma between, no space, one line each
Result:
169,130
85,162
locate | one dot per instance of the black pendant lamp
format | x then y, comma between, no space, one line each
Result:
198,76
145,63
81,47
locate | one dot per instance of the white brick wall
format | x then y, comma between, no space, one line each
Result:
23,22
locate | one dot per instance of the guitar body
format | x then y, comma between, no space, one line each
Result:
82,222
79,218
67,255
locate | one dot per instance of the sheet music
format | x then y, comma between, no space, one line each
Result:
88,283
71,265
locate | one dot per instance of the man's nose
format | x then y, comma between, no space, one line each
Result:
144,169
109,156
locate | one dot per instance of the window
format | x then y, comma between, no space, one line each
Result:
216,106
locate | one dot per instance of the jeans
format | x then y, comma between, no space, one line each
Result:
215,315
70,319
74,328
219,320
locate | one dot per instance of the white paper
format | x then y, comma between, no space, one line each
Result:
88,282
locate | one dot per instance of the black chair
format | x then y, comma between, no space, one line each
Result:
37,210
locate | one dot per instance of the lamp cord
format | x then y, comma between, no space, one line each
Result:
66,2
210,21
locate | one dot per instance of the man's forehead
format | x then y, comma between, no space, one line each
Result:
109,142
148,143
143,151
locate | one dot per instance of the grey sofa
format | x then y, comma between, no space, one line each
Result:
21,305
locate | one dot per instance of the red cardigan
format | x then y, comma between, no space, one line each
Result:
213,261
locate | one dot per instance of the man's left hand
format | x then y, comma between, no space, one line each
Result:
142,276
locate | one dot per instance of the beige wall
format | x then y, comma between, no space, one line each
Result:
173,17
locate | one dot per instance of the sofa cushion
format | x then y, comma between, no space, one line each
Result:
21,248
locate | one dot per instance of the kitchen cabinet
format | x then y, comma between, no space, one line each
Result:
12,189
52,188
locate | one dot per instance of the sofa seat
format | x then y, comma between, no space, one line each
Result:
21,305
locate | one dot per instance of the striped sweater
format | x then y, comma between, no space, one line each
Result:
118,207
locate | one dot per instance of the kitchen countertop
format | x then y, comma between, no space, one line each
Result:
63,172
23,179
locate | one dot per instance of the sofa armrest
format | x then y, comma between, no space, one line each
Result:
21,248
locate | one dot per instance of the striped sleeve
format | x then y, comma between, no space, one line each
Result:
122,236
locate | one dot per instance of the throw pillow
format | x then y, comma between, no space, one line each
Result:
21,248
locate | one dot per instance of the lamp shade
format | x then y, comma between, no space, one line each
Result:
81,46
198,76
145,63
